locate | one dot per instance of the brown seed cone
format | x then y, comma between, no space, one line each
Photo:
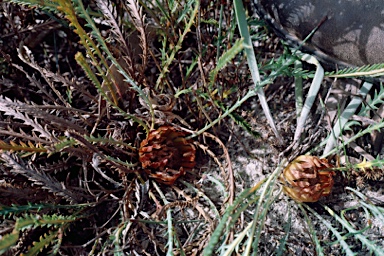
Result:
308,178
165,154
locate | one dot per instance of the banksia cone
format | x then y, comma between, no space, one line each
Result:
165,154
308,178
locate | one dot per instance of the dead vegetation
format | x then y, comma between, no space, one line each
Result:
116,122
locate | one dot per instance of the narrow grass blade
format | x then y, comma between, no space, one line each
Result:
298,91
347,113
262,209
313,90
230,212
340,238
377,211
369,129
318,247
363,239
284,239
252,63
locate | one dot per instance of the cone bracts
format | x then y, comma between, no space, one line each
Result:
165,154
308,178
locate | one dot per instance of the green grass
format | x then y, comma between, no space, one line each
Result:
72,182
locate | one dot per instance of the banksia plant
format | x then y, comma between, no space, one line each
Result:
165,154
308,178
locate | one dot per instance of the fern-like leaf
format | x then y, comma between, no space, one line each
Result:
11,108
109,12
35,220
18,209
26,55
8,240
137,16
240,121
28,147
373,70
192,14
44,4
378,98
225,58
21,111
108,141
39,178
43,242
74,9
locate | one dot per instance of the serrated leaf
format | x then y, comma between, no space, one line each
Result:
373,70
22,146
226,58
43,242
33,221
45,5
8,240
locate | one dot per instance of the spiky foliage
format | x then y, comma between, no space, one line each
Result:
76,142
375,70
56,227
117,70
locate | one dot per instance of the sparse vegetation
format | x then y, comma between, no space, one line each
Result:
106,106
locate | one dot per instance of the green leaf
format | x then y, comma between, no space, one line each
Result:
225,59
8,240
44,4
252,63
44,242
373,70
32,221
